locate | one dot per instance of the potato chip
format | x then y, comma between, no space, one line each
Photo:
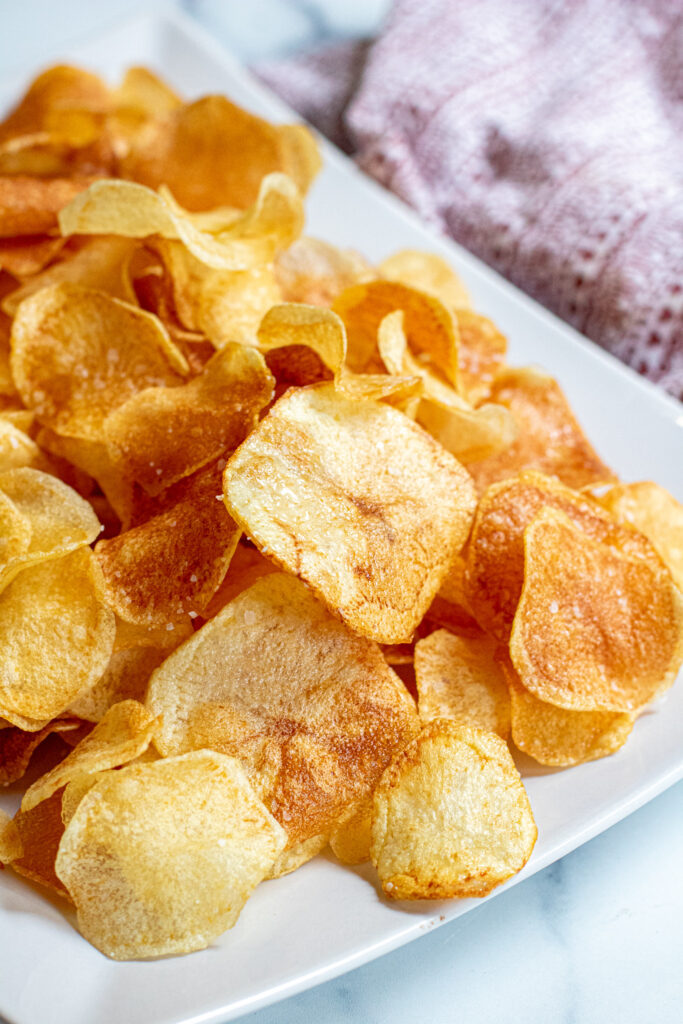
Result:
357,501
549,439
141,97
100,263
596,628
229,149
246,566
124,733
312,711
75,790
130,636
429,326
449,609
40,832
78,354
292,858
17,747
10,841
459,678
481,354
156,573
56,638
657,514
451,816
160,858
29,206
351,838
558,737
17,449
495,551
15,535
314,272
8,389
124,679
428,272
293,324
28,254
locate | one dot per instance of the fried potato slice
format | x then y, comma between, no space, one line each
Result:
246,566
230,151
17,747
78,354
156,573
495,552
596,628
449,609
458,678
160,858
99,263
357,501
294,857
17,449
15,535
28,254
657,514
428,272
314,272
549,439
40,832
141,97
351,838
10,841
210,415
430,327
30,206
312,711
558,737
56,638
124,679
481,354
124,733
451,816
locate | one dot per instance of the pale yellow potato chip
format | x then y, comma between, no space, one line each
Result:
75,790
125,678
596,628
351,838
357,501
56,638
124,733
558,737
295,856
78,354
451,816
428,272
657,514
458,677
160,858
312,711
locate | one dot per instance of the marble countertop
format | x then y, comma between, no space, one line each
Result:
595,938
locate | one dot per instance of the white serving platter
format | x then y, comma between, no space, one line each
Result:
325,919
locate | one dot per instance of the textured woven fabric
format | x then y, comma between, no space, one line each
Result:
546,137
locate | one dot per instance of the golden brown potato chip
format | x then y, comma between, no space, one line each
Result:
549,439
596,628
312,711
157,573
429,326
351,838
357,501
246,566
15,536
229,149
451,817
481,354
459,678
160,858
449,609
130,635
162,435
141,96
495,551
75,790
124,733
315,272
17,449
428,272
40,831
28,254
78,354
124,679
293,324
557,737
56,638
29,206
292,858
17,747
8,391
99,263
657,514
10,841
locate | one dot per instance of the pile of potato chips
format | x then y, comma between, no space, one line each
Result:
288,553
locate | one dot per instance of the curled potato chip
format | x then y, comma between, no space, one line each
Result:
458,677
156,573
160,858
430,328
100,263
124,679
657,514
59,520
292,323
293,857
56,638
312,711
596,628
314,272
77,354
495,551
357,501
30,206
451,816
549,439
210,415
351,838
40,831
481,354
123,734
558,737
428,272
230,151
17,747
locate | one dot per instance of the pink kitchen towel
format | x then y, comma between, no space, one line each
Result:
546,136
